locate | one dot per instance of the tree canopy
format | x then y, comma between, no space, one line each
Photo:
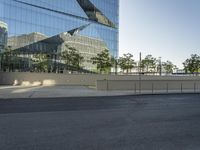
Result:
41,62
72,58
192,64
126,62
103,61
148,63
168,66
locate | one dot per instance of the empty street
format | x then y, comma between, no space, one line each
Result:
149,122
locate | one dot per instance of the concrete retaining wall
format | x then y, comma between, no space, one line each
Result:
152,85
22,78
104,82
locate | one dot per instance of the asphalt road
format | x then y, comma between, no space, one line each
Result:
159,122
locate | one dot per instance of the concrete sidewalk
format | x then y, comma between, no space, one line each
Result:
7,92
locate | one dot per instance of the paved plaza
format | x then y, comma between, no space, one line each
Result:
55,91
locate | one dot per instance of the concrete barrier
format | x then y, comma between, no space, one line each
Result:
105,82
19,78
191,84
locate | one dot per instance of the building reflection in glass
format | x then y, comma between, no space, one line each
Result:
46,27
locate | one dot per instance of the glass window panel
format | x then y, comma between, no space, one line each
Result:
26,19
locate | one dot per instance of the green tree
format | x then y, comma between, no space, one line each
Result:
103,61
6,58
148,64
72,58
10,59
126,62
192,64
41,62
77,59
168,66
114,63
66,57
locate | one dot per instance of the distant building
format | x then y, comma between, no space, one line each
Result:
16,42
34,43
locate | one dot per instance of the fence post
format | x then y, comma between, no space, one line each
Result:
140,84
167,88
135,88
152,88
107,84
194,87
181,87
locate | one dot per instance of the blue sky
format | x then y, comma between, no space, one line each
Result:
169,29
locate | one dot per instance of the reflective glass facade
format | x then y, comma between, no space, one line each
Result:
94,19
3,35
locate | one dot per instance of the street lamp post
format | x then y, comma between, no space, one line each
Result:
140,78
160,66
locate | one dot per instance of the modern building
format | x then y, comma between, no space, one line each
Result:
44,26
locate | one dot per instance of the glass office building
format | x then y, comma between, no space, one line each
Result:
37,26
